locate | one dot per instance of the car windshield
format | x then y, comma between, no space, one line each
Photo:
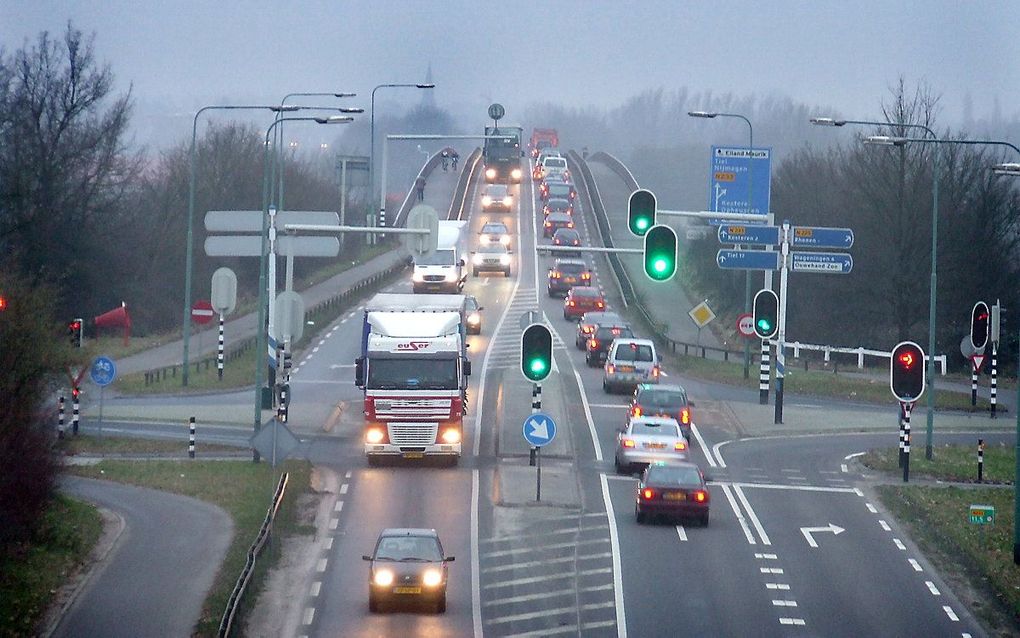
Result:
471,304
494,229
653,429
408,548
496,192
557,189
558,204
401,373
493,248
662,398
633,352
673,475
573,269
588,293
555,162
438,258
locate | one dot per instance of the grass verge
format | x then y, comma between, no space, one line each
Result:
241,488
31,573
95,445
956,463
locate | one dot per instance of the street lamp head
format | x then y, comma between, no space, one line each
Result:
707,114
885,140
430,85
285,108
1011,168
345,95
827,121
351,109
334,119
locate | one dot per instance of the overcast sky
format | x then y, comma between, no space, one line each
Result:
183,54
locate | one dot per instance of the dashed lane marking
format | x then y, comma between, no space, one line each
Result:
871,508
321,566
316,588
777,586
309,616
681,532
952,614
791,621
548,561
899,544
917,566
932,588
531,550
885,525
784,603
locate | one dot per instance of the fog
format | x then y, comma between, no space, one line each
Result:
840,57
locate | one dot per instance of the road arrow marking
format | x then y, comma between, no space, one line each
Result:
808,531
540,429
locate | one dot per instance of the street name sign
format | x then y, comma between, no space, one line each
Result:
813,237
764,235
828,263
747,259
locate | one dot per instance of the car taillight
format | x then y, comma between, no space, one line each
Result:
548,224
685,416
700,496
586,275
593,344
555,274
571,303
628,443
600,304
655,372
647,494
570,224
635,411
680,446
610,369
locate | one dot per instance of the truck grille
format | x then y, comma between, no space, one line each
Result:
413,433
435,277
416,409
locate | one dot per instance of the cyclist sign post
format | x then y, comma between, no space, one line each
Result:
102,373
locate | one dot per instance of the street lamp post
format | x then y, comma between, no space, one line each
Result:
261,337
930,399
189,254
750,195
1012,170
371,147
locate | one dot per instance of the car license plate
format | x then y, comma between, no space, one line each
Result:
675,496
414,455
655,446
407,590
626,368
569,280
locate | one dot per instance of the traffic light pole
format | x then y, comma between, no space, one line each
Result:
784,247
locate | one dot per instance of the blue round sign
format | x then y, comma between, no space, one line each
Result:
539,429
103,371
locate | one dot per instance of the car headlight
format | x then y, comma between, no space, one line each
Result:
486,200
474,318
451,276
383,578
477,259
490,173
418,276
374,435
516,173
504,259
505,240
432,577
508,200
451,435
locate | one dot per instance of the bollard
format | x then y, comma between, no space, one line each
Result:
60,418
981,460
191,437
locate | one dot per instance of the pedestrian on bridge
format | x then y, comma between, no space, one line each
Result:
419,186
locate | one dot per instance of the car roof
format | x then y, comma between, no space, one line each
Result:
635,341
559,181
494,224
559,201
566,261
585,291
653,420
558,216
567,231
408,531
600,315
496,187
665,387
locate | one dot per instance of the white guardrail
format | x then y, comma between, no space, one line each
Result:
861,352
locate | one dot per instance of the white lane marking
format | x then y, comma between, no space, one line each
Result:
322,342
476,593
843,468
545,561
309,616
899,544
885,525
871,508
791,621
858,492
766,556
339,506
329,543
784,603
717,449
740,516
316,588
334,523
828,472
853,456
681,532
321,566
343,488
788,470
779,486
704,448
564,629
610,405
587,416
777,586
344,320
530,580
531,615
531,550
771,570
547,594
917,566
754,517
348,474
621,615
952,614
932,588
314,350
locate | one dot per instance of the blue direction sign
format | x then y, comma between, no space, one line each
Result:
747,259
741,180
539,429
103,371
828,263
739,234
809,236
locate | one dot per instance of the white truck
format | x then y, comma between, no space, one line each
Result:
445,270
413,370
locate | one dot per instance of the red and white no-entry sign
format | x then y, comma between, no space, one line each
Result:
745,325
202,311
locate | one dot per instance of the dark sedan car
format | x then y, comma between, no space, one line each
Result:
653,399
407,564
557,189
676,489
567,237
586,326
555,221
581,300
567,273
598,343
558,205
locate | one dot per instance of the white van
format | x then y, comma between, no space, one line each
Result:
630,362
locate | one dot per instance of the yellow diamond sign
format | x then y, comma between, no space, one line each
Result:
701,314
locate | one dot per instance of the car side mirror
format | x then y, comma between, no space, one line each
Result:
363,557
481,308
461,262
359,372
449,559
690,403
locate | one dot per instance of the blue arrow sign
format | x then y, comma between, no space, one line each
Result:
826,263
738,234
740,180
804,236
747,259
103,371
539,429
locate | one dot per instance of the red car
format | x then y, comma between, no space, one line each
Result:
581,300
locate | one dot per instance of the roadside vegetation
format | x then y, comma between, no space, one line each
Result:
937,517
89,444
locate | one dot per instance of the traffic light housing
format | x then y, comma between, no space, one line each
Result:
906,371
979,320
74,328
641,212
536,352
660,253
766,314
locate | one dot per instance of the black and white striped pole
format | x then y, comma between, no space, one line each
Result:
191,437
219,350
763,373
981,460
536,407
75,409
60,418
973,383
906,442
993,390
900,418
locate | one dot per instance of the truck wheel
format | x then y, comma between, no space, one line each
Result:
373,461
506,272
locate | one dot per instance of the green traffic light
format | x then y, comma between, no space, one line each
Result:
536,352
641,211
641,223
660,253
537,366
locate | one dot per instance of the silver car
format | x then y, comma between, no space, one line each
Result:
649,439
630,362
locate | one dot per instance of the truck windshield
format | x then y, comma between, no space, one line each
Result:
438,258
420,374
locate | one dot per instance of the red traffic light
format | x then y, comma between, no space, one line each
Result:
906,371
3,303
906,359
74,325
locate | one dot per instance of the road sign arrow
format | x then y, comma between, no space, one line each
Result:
540,429
808,531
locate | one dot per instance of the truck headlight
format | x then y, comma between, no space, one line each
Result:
451,435
504,259
374,435
477,259
418,276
